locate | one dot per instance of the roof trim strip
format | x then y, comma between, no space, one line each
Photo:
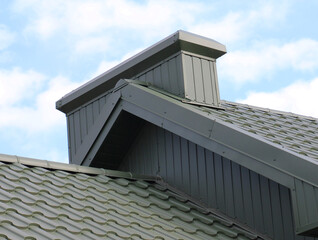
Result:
178,41
173,111
32,162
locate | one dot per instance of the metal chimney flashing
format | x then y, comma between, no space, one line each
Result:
180,40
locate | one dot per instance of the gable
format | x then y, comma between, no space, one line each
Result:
216,181
203,128
172,91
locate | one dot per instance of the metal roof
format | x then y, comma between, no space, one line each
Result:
180,40
61,201
294,132
233,134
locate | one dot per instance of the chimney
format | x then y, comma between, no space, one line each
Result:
183,64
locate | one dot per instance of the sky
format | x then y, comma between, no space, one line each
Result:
48,48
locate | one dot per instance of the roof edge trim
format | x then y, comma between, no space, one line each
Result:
180,40
32,162
218,131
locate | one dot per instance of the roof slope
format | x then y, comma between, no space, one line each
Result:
294,132
72,202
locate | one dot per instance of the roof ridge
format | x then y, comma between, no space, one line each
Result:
32,162
271,110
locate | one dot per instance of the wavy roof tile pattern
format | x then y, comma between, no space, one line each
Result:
39,203
294,132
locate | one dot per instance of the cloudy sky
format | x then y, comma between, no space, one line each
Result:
48,48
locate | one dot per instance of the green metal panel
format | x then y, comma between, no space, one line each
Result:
306,207
215,181
42,203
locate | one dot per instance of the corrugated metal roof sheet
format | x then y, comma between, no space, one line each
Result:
41,203
294,132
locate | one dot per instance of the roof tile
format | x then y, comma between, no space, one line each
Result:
37,203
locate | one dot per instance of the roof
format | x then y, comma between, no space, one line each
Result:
41,199
294,132
244,134
282,141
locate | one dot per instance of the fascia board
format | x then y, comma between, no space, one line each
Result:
239,141
178,41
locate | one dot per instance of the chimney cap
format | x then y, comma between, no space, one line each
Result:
178,41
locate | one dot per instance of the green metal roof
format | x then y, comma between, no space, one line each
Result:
45,200
249,136
294,132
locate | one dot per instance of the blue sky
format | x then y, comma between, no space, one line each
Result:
48,48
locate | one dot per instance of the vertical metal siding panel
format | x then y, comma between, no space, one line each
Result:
83,122
310,201
177,161
102,102
301,202
90,116
165,76
207,79
173,76
157,81
142,78
180,74
198,81
185,164
238,192
194,191
202,174
215,86
257,201
154,150
288,225
162,155
77,131
211,188
71,139
147,160
266,205
276,210
169,156
95,110
188,77
149,77
247,196
219,182
228,188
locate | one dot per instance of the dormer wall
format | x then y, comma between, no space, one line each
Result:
185,75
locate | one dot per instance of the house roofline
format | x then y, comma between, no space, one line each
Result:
180,40
32,162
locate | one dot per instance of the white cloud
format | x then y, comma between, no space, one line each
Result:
17,85
249,66
235,26
88,23
300,97
27,100
6,37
